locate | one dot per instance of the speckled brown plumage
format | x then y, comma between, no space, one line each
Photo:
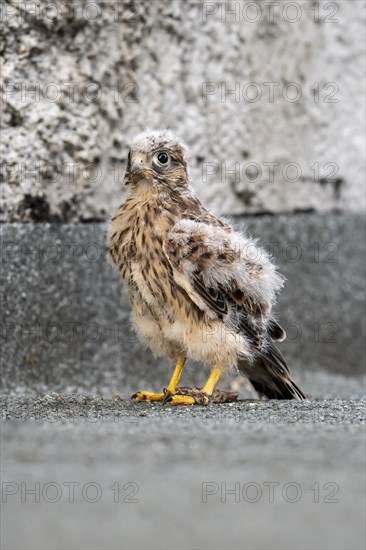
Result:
197,288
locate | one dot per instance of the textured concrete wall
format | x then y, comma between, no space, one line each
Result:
80,78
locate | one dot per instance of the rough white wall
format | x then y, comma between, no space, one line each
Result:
163,56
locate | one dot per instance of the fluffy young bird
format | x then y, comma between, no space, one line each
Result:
197,288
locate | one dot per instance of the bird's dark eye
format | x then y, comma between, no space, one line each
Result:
162,158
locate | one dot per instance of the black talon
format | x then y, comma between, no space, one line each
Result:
168,397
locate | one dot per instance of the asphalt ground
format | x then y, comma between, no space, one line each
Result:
82,472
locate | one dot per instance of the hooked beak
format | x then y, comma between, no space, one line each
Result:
139,168
139,162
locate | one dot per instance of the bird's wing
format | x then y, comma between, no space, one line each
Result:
225,274
230,278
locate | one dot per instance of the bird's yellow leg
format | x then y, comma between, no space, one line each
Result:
212,380
207,390
170,391
174,381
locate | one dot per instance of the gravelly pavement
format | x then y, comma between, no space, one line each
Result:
116,474
55,407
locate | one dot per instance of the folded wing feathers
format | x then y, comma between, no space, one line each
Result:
229,271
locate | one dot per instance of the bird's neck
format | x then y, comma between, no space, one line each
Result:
147,194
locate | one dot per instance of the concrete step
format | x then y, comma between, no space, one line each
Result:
65,320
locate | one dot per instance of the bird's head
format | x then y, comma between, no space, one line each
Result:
157,159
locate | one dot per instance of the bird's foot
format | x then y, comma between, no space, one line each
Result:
166,397
147,396
178,399
195,396
187,396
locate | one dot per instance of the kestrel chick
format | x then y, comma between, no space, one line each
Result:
197,287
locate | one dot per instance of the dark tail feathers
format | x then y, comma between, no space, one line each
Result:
279,389
270,376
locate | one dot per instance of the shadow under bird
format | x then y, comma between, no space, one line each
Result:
198,288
